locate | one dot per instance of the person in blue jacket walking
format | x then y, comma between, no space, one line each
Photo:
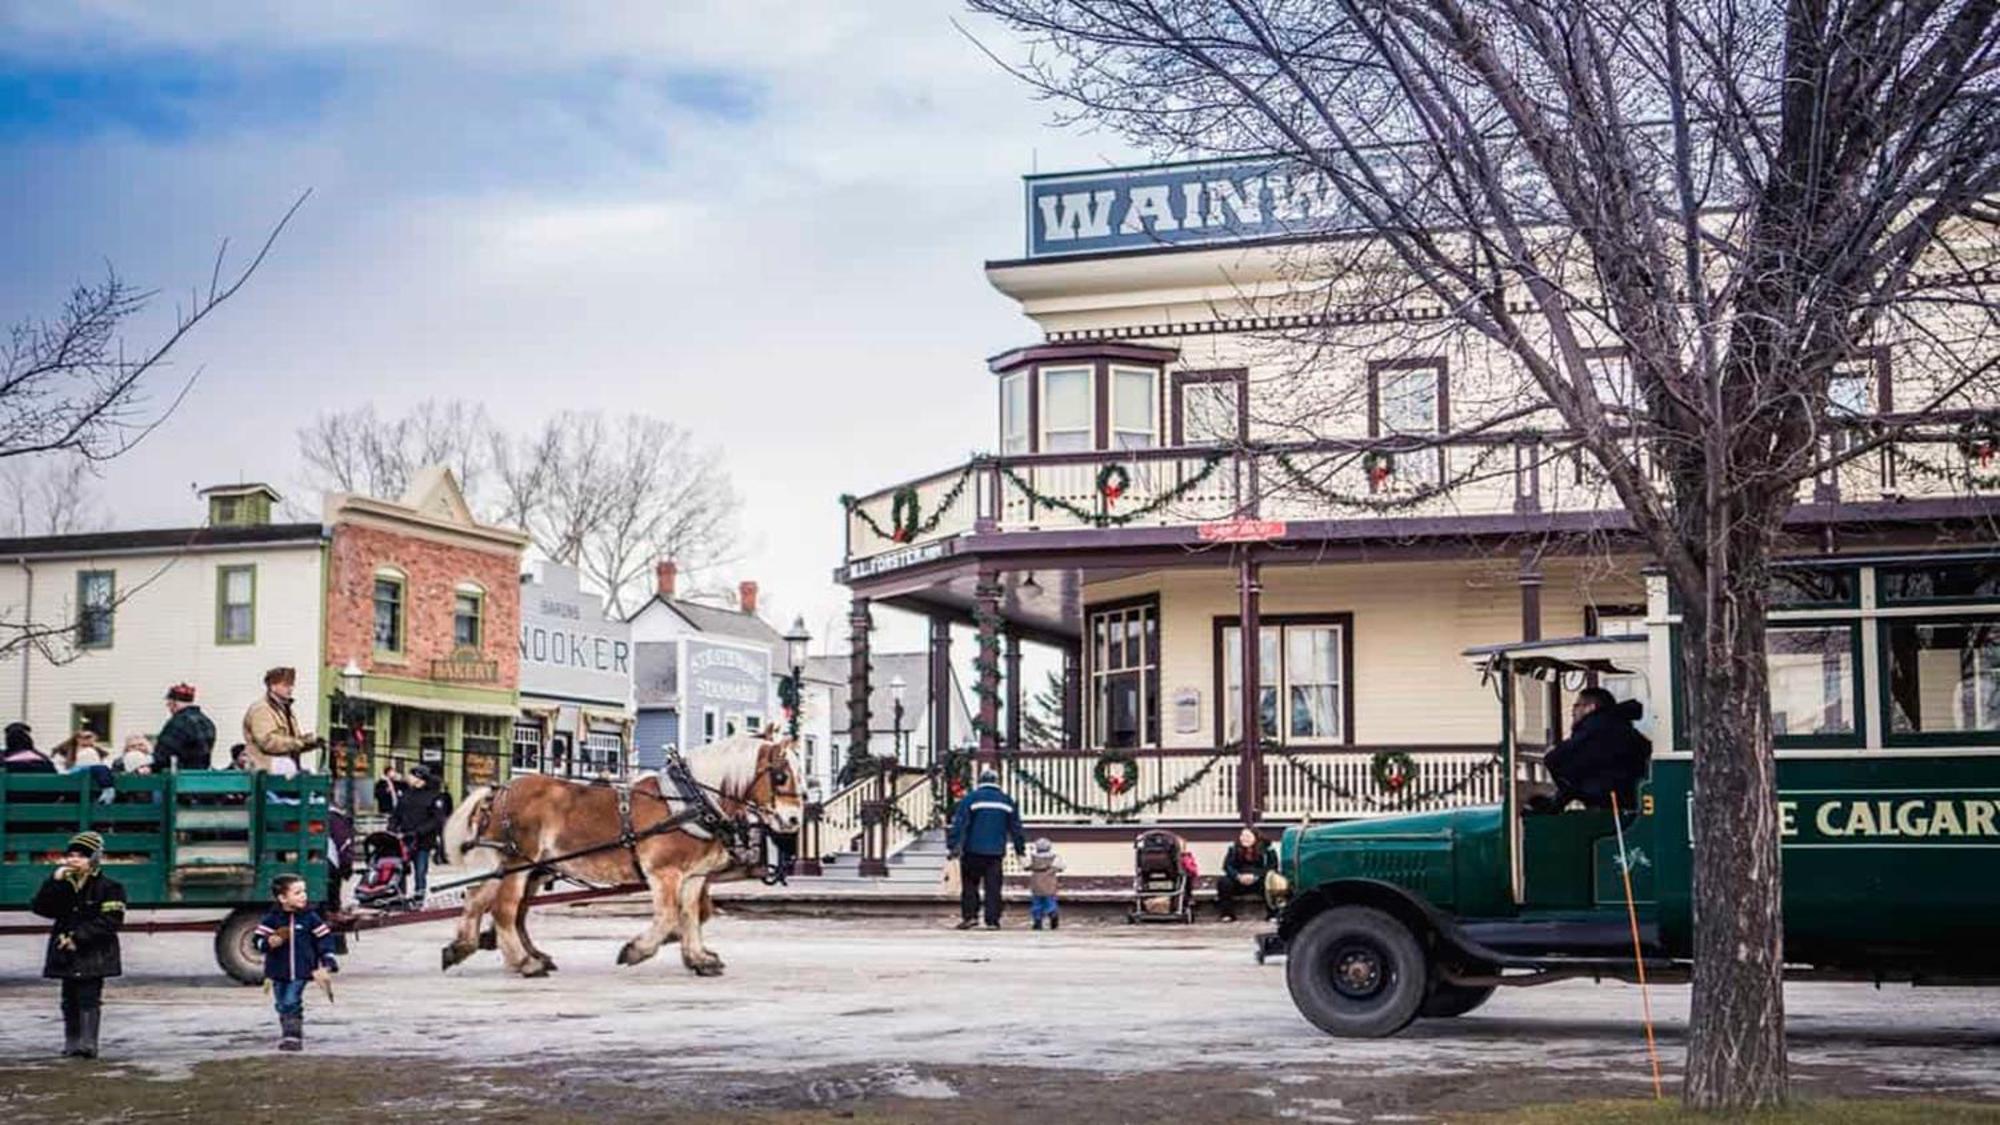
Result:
985,822
298,948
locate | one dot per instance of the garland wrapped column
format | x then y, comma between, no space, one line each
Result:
858,624
986,666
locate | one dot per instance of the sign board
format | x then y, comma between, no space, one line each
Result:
732,679
470,669
1183,204
898,559
1187,710
1241,531
569,651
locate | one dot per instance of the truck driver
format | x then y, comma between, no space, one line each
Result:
1603,755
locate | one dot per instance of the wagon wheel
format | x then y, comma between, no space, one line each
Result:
233,951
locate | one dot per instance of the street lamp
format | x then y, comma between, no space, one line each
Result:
896,688
796,640
351,713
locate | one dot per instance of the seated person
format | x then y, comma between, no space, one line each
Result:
1603,755
1243,871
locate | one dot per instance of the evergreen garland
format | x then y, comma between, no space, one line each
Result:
1115,519
1401,801
907,522
1118,815
1423,493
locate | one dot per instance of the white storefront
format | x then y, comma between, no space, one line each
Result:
576,681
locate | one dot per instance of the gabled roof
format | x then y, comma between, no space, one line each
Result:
722,622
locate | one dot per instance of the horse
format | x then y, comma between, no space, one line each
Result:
675,836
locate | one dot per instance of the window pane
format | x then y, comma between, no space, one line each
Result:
1409,402
1812,681
388,615
1813,587
1312,654
1851,391
1069,441
1611,378
236,586
236,624
1314,711
1014,413
1132,406
1970,581
1944,677
465,621
1209,413
1118,702
1066,400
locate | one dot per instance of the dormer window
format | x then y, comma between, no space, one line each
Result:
1081,398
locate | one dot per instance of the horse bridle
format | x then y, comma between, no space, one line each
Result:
746,834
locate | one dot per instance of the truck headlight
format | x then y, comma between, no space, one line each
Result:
1276,889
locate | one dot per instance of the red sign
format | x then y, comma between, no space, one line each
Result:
1241,531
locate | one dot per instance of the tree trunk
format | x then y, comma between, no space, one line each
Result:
1736,1035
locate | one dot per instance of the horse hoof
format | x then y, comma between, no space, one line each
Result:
534,969
549,963
705,970
629,954
452,954
489,939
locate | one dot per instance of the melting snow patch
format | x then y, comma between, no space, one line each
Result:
907,1084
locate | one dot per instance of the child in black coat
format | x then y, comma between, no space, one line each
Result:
298,949
87,907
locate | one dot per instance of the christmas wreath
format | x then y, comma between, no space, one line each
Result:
1113,481
1379,465
1392,770
904,515
1124,780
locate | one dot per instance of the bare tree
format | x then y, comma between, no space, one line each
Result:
1740,199
73,394
607,496
361,451
50,494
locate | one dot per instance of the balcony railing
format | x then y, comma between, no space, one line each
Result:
1401,478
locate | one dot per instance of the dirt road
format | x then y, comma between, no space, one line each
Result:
897,1020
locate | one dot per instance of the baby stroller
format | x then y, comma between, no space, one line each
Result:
388,865
1161,888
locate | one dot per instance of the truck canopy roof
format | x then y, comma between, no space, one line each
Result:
1551,658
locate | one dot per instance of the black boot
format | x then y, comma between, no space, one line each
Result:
291,1031
86,1039
72,1031
1038,923
1055,921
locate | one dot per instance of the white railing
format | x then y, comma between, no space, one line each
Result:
1338,784
915,801
840,815
1061,787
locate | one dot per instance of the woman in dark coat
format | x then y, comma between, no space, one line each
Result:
1243,871
87,907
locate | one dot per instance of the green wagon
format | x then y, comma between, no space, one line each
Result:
201,841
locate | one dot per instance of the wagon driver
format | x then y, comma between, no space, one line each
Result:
271,733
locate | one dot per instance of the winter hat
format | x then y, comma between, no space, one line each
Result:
989,776
181,693
85,844
1044,846
19,737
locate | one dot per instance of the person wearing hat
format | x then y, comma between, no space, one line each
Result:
270,731
1045,869
188,739
87,907
985,822
21,755
419,819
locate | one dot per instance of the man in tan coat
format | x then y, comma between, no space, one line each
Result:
270,732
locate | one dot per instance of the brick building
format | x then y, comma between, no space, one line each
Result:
426,600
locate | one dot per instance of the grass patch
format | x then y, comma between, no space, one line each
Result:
1907,1111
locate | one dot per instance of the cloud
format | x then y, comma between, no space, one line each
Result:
764,222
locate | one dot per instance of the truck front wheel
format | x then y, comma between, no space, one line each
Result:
1357,973
1448,1000
233,950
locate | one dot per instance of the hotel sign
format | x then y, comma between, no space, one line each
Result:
1184,204
1241,531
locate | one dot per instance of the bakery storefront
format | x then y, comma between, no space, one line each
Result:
576,716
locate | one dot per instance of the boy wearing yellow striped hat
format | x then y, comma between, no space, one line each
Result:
87,907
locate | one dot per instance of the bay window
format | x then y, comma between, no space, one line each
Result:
1014,413
1068,416
1408,398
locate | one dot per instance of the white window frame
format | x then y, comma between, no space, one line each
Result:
1014,435
1089,427
1279,679
1152,432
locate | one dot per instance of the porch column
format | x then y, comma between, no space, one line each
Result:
1530,580
986,614
939,695
1072,695
1250,769
1013,692
858,625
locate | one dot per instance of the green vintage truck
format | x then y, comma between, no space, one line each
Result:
1885,683
195,851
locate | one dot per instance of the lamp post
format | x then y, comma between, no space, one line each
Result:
351,713
896,688
796,640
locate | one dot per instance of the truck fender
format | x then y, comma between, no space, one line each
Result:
1434,930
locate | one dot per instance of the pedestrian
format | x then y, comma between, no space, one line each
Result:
187,741
419,819
87,907
1244,868
298,950
137,756
1044,880
984,824
270,731
21,755
390,786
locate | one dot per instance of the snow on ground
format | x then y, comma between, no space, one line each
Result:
827,993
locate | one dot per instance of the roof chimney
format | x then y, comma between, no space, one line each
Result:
663,573
746,597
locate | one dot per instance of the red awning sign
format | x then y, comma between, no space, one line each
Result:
1241,531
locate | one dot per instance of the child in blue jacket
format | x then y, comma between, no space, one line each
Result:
298,948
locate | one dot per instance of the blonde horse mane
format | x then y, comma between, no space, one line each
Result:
730,766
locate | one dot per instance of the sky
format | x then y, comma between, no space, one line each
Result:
764,222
